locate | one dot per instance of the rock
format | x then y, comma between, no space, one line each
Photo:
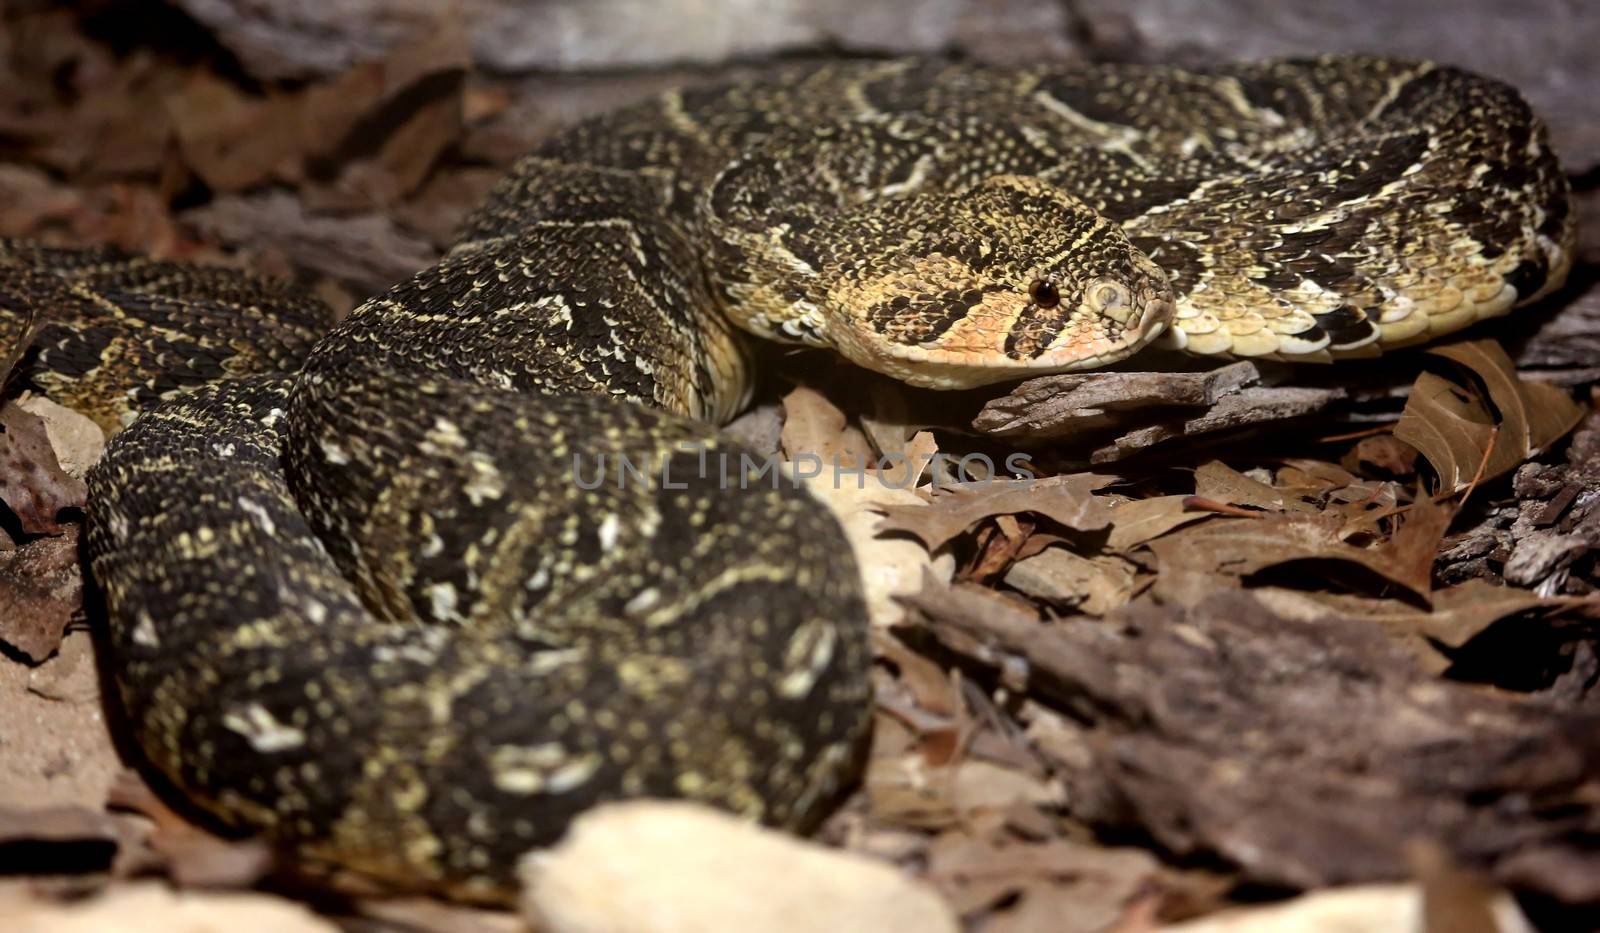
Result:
657,867
1357,909
153,908
76,440
303,38
309,38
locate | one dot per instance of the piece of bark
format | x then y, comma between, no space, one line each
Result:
1052,407
1305,754
1563,346
1252,406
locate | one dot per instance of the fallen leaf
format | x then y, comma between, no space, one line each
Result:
1458,613
32,482
1066,500
234,140
1137,521
1070,886
1385,452
1093,585
1221,483
1454,430
41,589
890,567
1230,547
814,427
191,855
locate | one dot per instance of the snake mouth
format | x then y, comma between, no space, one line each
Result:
990,356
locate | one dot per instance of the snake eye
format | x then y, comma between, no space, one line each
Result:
1044,293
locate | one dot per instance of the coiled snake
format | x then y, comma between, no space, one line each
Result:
369,609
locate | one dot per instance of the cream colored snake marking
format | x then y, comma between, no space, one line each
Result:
359,601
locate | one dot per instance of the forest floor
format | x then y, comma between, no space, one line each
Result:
1246,632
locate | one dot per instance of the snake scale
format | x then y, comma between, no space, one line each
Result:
358,600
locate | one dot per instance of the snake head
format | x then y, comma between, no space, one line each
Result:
1011,278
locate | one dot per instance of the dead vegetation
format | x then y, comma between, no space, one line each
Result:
1228,633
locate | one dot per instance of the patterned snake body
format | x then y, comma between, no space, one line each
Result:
365,605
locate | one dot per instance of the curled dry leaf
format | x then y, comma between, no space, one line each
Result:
1457,434
1240,547
1384,452
234,140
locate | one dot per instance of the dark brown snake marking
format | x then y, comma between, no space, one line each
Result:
365,608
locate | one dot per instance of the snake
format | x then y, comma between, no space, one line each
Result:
407,592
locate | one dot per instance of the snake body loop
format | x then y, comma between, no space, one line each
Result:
365,595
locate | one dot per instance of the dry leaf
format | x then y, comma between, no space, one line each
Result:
1385,452
811,423
889,567
32,482
1137,521
41,589
1221,483
191,855
233,140
1093,585
1240,547
1455,431
1066,500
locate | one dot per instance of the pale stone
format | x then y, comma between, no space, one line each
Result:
154,908
673,867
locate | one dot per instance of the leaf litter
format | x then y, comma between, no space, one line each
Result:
1314,616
